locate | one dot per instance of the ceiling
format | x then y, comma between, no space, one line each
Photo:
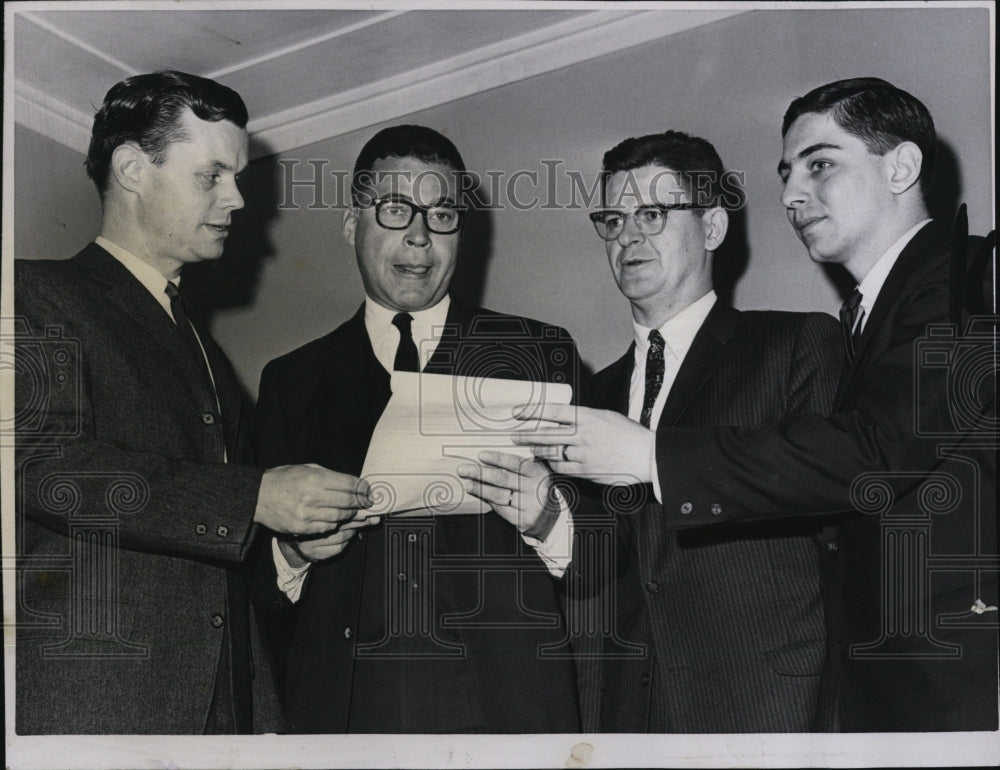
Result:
311,73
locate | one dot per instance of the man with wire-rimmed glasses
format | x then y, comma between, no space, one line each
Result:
731,621
426,624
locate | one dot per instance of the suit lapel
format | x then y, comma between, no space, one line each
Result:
912,261
700,361
133,300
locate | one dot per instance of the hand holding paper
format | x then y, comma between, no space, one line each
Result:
433,424
596,444
519,489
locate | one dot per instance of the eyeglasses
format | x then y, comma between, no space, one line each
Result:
649,219
395,213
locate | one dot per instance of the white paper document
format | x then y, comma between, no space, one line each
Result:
434,423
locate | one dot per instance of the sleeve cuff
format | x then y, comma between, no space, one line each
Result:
290,579
556,551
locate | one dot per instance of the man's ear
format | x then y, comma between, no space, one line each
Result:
716,224
350,224
128,166
904,164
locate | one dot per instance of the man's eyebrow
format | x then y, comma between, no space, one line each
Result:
803,154
218,165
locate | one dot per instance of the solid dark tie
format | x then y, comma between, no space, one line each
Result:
850,315
406,353
654,375
179,308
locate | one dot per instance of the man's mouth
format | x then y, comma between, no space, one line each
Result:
218,229
803,224
415,271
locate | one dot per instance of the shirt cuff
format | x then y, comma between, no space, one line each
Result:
556,551
290,579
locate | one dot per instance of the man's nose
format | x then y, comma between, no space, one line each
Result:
231,197
417,233
630,233
794,193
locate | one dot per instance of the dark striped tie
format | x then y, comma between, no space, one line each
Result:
850,316
179,308
654,375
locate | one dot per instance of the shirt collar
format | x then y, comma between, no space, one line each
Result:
144,273
679,330
872,283
379,318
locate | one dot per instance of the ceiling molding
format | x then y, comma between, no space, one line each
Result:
74,41
52,118
546,49
303,44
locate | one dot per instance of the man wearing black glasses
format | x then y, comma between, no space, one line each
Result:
435,625
731,621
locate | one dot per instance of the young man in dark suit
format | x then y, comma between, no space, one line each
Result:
908,456
730,622
427,624
134,510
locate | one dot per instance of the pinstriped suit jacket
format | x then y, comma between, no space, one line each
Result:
737,619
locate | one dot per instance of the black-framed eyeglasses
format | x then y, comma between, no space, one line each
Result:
396,213
649,219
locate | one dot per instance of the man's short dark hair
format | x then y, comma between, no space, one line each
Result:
406,141
695,160
146,109
879,114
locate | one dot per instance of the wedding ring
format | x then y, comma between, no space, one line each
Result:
564,450
510,497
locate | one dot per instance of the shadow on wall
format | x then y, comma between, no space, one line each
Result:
468,283
732,257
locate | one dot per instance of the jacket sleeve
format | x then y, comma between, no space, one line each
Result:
70,473
809,464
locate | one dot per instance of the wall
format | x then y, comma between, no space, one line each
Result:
288,277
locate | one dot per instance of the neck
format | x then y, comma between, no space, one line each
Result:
861,263
121,230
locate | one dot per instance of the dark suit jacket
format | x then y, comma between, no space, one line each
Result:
733,618
483,605
130,527
900,453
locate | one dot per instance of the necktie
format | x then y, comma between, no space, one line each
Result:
406,353
654,375
182,318
850,316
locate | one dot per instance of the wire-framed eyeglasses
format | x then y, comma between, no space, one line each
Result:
395,213
649,219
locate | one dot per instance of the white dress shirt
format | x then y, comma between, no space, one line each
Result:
678,333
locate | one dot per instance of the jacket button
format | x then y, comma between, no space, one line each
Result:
686,508
217,620
716,509
222,531
832,546
208,418
644,679
401,577
412,537
652,586
347,632
201,529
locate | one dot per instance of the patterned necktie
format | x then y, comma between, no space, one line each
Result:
179,308
850,316
654,375
406,353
